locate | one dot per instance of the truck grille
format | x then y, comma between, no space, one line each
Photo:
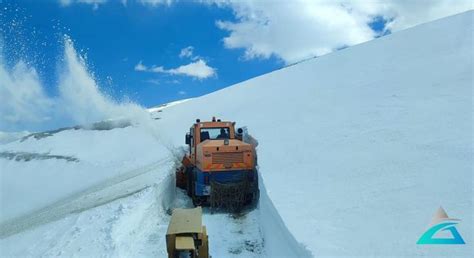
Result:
227,157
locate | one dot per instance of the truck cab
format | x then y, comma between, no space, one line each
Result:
215,145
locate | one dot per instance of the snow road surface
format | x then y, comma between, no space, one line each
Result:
134,226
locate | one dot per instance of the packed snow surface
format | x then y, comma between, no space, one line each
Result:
357,150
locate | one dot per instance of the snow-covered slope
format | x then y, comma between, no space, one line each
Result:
6,137
357,149
38,172
160,108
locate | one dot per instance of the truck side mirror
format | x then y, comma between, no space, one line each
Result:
239,133
188,139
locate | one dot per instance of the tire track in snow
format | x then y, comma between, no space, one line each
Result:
118,187
134,226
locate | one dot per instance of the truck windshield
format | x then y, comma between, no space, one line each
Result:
214,133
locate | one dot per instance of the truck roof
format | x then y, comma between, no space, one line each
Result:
185,221
215,124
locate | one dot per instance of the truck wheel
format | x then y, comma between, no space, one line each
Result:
189,183
197,201
194,198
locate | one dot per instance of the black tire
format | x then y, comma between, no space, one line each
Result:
189,183
197,201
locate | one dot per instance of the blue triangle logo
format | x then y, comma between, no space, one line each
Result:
442,223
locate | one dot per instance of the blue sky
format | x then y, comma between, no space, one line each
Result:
157,51
115,38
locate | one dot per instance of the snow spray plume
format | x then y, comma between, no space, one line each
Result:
25,105
24,102
81,99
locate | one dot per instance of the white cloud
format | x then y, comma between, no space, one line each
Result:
182,92
198,69
186,52
407,14
157,69
156,2
295,30
174,82
140,67
95,3
91,1
65,2
153,81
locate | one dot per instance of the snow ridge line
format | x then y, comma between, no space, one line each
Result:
115,188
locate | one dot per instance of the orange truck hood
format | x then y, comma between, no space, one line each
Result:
216,156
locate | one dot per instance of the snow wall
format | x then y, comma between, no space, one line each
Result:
278,241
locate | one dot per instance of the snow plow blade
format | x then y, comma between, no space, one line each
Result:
233,196
181,178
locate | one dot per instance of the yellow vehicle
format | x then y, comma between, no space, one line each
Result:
186,236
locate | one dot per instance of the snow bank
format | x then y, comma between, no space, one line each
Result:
279,242
102,155
128,227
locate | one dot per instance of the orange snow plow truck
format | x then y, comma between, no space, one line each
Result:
219,169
